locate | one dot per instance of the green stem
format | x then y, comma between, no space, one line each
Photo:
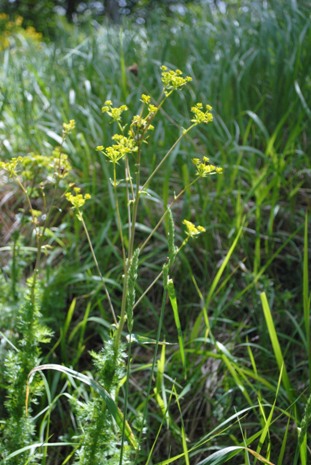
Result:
158,276
177,197
133,219
130,254
183,134
119,222
80,217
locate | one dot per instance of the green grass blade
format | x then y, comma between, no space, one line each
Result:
276,345
173,300
305,422
182,430
284,443
237,379
306,293
268,421
197,324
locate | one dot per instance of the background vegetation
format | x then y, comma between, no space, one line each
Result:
243,394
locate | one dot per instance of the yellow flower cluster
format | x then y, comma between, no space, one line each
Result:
192,230
33,167
173,80
201,115
116,152
31,33
147,99
9,28
77,199
62,165
114,112
11,166
205,168
68,127
139,126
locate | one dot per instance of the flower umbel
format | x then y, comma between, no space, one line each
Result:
11,166
201,115
205,168
114,112
173,80
68,127
77,199
116,152
145,98
192,230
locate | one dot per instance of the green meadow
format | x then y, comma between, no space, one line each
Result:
155,193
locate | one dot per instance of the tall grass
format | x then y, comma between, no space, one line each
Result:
222,374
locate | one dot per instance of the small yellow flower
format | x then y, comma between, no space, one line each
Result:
205,168
35,213
192,230
114,112
152,108
68,127
31,33
173,80
11,166
145,98
124,146
19,21
201,115
77,199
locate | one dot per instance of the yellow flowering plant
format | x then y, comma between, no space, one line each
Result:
11,29
125,156
127,148
42,179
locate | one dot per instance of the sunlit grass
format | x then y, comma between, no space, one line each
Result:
230,361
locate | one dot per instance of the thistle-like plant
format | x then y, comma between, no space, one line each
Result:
18,429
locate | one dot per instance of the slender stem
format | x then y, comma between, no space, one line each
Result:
132,223
119,222
183,134
128,372
148,289
154,359
132,226
177,197
158,276
80,217
40,237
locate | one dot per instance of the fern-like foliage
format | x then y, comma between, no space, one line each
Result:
18,428
101,439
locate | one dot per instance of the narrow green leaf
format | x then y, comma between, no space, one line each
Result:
173,300
130,298
275,344
305,293
197,324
